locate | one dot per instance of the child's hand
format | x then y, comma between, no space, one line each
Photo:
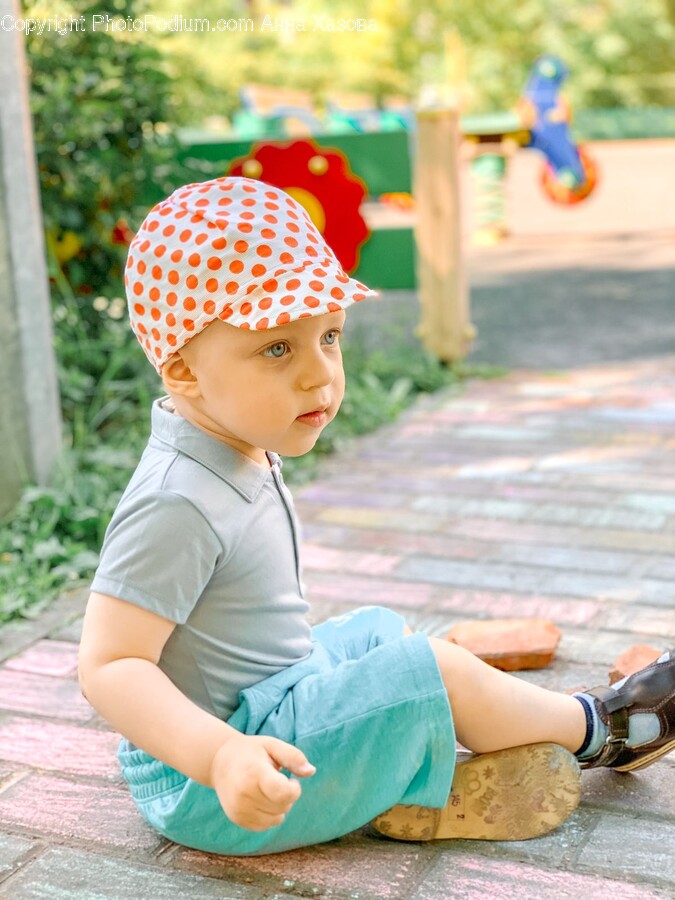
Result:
251,789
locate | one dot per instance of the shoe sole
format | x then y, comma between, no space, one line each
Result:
508,795
645,760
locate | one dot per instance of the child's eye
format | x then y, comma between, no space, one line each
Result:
276,351
332,337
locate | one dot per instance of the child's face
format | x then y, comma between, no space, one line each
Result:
254,385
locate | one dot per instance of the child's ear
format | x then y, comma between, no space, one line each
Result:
178,378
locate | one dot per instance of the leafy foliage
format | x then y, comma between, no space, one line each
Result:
100,101
619,52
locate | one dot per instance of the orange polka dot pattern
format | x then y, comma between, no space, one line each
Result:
233,249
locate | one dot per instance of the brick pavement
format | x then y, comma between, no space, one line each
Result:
534,494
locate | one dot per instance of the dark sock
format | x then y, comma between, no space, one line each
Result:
590,723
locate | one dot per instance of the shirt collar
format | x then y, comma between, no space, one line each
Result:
238,470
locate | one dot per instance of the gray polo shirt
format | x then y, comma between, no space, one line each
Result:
208,538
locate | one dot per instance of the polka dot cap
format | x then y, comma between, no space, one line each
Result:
233,249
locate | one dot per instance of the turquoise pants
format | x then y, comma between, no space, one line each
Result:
368,708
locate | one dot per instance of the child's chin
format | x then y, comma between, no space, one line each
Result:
296,448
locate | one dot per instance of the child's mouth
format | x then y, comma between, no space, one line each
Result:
317,418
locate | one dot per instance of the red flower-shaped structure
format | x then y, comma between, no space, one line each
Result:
320,179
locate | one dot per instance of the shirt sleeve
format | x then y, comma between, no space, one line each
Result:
159,552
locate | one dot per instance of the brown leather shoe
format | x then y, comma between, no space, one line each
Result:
651,690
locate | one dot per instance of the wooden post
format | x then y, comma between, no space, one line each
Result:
30,423
445,327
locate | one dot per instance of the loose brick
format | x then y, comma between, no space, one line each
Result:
632,660
509,644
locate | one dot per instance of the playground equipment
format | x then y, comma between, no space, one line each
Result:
401,242
541,121
321,180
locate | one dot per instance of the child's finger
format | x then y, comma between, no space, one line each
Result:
289,757
278,789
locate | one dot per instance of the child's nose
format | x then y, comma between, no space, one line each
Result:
316,370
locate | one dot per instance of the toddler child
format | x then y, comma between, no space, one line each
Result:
196,645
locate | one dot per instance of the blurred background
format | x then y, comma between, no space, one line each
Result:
121,117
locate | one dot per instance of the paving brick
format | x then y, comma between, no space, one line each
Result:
328,559
583,645
502,433
554,849
564,558
100,814
544,533
599,518
461,506
643,846
397,541
565,676
509,644
373,518
569,611
588,457
520,579
660,503
656,593
361,591
64,874
339,495
496,468
12,848
66,748
646,620
431,623
338,868
467,878
650,790
16,636
43,696
71,632
661,567
56,658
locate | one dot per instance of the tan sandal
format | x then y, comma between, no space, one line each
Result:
508,795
